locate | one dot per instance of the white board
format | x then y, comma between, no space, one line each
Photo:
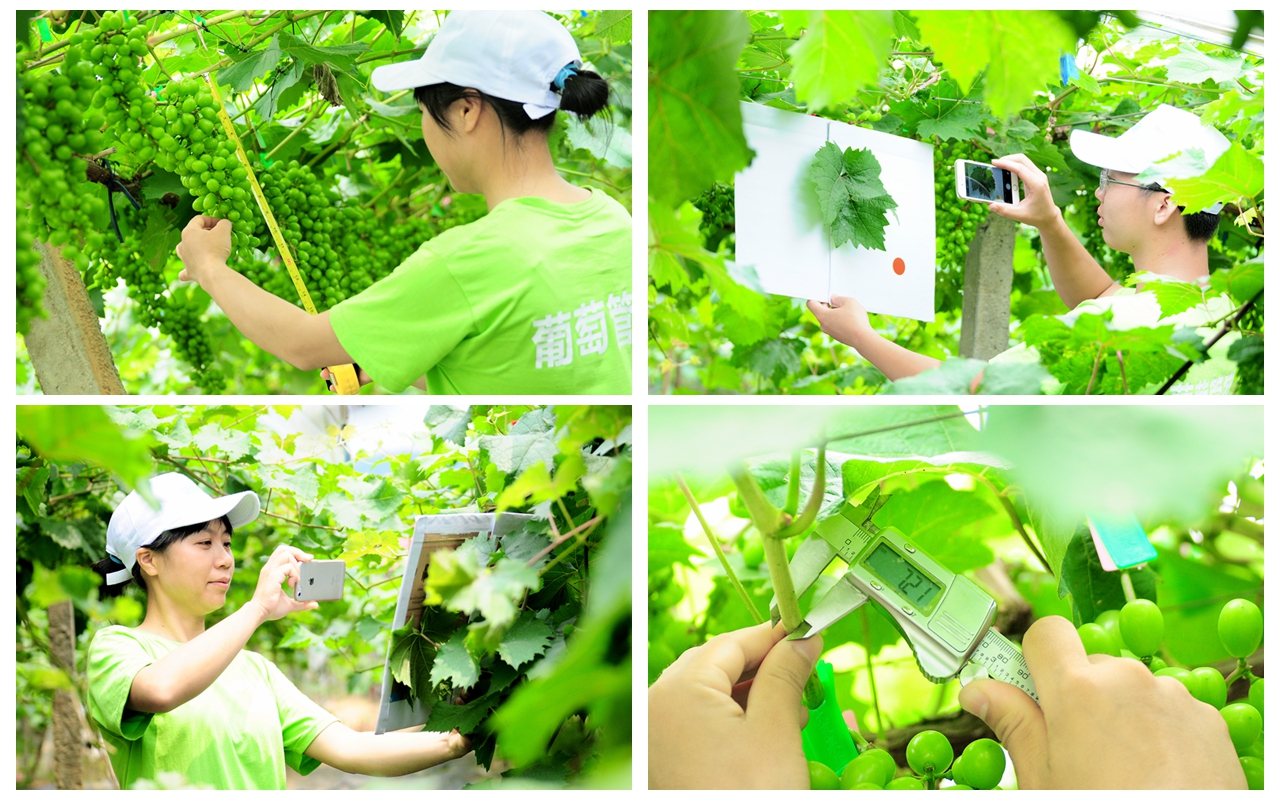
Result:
779,226
431,533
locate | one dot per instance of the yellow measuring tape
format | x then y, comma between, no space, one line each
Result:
344,375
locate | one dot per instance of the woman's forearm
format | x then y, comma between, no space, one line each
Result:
384,755
190,669
275,325
1076,275
894,360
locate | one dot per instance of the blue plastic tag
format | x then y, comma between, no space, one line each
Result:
1121,541
1067,66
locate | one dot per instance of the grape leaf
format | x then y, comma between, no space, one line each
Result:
956,376
695,122
362,504
526,640
853,200
240,76
959,121
1192,66
1093,589
1237,173
449,422
494,592
1018,50
466,718
454,663
515,453
614,25
773,358
1242,282
841,52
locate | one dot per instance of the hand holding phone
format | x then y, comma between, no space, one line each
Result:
320,580
984,183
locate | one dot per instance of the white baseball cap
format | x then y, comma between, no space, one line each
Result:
511,55
1164,132
136,524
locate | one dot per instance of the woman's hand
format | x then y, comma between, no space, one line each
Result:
843,319
205,245
728,714
283,565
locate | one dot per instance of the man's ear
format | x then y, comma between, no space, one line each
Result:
1166,210
146,561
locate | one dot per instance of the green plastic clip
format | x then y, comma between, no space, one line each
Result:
42,25
826,738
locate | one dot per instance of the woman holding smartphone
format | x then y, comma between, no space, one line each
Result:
173,696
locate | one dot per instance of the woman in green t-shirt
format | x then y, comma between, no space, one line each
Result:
173,697
533,298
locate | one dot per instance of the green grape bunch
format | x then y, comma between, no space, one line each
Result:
955,220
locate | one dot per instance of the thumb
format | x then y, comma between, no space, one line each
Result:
1017,722
778,686
184,275
838,300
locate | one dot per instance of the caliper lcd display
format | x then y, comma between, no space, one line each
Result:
915,587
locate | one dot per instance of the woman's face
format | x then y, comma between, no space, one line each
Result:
195,572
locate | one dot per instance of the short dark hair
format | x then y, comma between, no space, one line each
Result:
585,94
161,543
1199,226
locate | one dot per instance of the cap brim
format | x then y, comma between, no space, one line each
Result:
404,75
1101,151
240,509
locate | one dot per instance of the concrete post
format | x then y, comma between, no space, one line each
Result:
67,348
988,281
68,736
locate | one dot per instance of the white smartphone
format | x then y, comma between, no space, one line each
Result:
983,183
321,580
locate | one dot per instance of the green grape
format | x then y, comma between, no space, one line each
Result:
1179,674
1252,771
1255,695
957,771
929,753
753,552
1156,664
1240,628
1142,627
906,782
873,766
1097,640
984,763
866,787
1208,686
1110,622
1244,723
822,777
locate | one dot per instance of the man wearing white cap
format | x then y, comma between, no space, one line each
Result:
534,298
171,696
1141,219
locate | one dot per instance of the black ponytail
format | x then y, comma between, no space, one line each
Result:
585,95
109,564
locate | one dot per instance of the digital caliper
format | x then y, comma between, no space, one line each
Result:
945,618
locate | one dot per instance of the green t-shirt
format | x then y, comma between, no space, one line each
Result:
237,734
533,298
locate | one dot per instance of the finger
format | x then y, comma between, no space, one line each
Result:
838,301
850,721
313,605
209,222
222,222
1054,652
1017,722
779,683
195,223
1017,163
184,275
816,307
721,662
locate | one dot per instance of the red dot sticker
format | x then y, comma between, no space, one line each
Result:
899,266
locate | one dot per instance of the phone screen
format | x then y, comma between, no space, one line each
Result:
984,182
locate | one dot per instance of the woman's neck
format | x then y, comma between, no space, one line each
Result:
166,620
528,171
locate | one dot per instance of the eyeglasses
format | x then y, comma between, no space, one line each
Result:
1105,178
